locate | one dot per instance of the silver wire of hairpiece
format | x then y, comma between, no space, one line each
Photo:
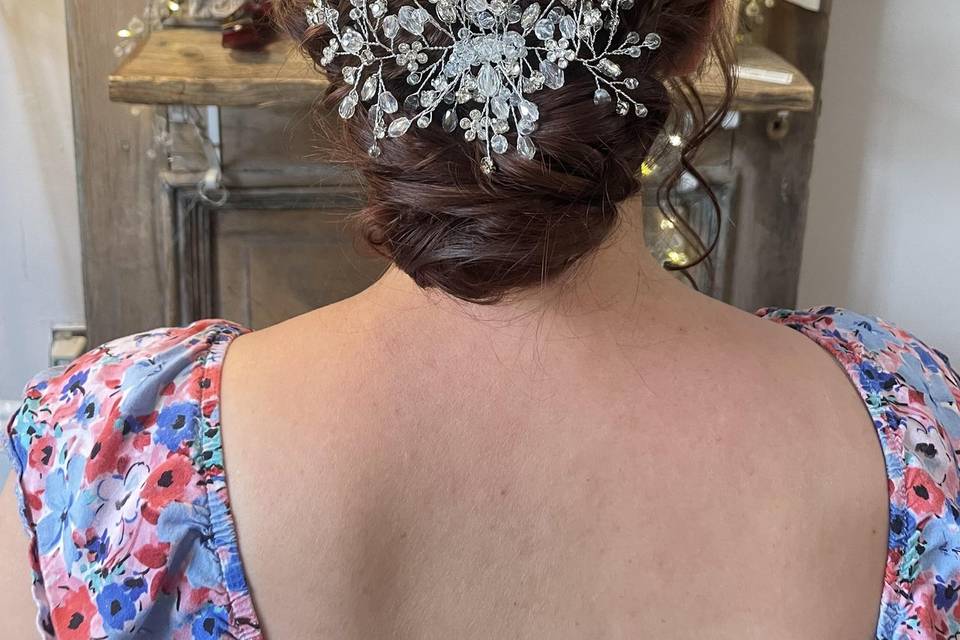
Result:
486,62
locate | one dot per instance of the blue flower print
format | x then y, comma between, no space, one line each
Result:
98,546
143,382
177,423
187,529
69,511
136,587
873,380
115,606
937,394
926,358
940,541
902,526
945,595
891,615
74,384
210,624
867,329
87,410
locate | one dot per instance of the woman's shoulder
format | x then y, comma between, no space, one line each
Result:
115,455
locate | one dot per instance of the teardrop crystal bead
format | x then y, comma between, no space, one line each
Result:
450,120
488,81
525,147
530,15
500,107
351,41
552,74
544,29
411,19
398,127
391,26
528,110
369,88
498,143
526,127
387,102
601,97
348,105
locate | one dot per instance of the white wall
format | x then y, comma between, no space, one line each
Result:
40,280
883,234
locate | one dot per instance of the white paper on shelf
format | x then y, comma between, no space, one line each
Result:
764,75
813,5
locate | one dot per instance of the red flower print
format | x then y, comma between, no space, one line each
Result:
923,494
141,441
163,582
167,481
34,501
42,453
105,451
71,618
111,375
153,555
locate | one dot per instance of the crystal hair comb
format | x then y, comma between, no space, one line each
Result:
487,62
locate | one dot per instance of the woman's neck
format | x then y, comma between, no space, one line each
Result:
617,277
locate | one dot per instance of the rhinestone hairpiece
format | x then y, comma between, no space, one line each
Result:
487,62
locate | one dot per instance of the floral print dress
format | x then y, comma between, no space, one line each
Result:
123,491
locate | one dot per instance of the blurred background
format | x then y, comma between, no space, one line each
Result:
149,176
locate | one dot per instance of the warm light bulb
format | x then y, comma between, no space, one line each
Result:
676,140
666,224
124,33
647,169
677,257
173,6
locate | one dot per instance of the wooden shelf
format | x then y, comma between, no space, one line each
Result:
188,66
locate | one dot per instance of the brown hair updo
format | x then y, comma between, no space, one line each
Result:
479,237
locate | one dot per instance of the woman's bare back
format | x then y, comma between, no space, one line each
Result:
399,470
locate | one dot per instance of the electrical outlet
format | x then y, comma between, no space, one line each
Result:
68,342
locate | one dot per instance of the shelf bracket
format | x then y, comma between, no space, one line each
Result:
206,126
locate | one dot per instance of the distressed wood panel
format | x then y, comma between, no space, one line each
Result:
126,260
775,166
274,265
267,254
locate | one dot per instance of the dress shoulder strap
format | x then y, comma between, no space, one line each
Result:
913,395
120,475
